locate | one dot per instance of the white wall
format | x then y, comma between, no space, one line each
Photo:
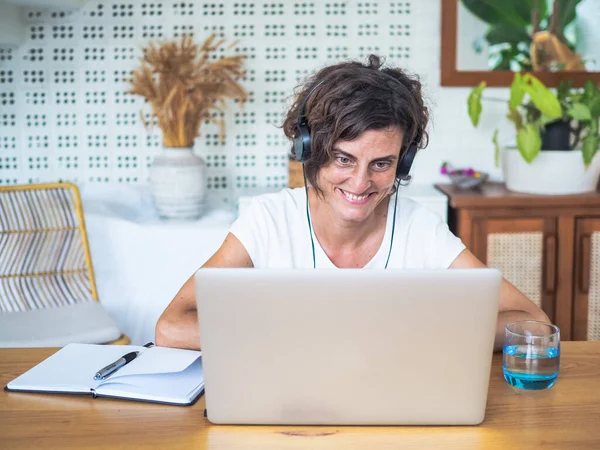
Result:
587,33
67,117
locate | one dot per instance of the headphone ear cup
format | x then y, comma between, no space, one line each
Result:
302,144
403,169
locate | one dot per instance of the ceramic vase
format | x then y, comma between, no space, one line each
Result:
178,183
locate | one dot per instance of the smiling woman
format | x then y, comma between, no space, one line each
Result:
368,123
356,129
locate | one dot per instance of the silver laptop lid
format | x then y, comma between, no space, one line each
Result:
340,347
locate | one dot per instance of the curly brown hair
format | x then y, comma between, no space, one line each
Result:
352,97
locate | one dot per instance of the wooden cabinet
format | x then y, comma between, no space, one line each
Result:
547,246
586,295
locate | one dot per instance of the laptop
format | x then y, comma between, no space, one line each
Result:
347,347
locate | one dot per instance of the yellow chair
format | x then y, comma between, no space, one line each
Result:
48,295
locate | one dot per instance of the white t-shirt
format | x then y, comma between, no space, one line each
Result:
274,231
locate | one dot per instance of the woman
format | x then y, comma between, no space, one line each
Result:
356,128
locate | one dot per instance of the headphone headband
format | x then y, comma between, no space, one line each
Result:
302,144
302,139
302,108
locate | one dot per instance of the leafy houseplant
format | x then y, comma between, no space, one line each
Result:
184,83
565,122
547,121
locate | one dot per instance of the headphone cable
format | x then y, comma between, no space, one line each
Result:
393,225
312,242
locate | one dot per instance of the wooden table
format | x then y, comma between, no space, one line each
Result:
566,416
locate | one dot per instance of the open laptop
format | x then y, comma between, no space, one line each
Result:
347,347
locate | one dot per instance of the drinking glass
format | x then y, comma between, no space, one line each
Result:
531,354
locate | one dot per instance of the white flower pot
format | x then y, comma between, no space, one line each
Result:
178,183
553,172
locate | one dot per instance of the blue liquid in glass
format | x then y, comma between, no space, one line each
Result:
530,367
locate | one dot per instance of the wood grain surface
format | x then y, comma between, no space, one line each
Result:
566,416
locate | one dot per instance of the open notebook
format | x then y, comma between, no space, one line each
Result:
158,374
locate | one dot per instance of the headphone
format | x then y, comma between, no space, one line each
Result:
302,148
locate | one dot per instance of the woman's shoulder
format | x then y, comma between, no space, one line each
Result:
284,200
410,211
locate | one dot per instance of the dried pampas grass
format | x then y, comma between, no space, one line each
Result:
183,83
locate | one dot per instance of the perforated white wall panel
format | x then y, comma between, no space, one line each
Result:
65,114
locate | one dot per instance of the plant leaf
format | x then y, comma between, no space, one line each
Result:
579,111
542,97
529,142
525,8
501,34
544,120
516,92
594,127
595,107
496,12
496,148
515,116
474,103
589,91
589,148
530,4
564,89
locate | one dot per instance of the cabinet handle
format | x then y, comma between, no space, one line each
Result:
550,264
584,263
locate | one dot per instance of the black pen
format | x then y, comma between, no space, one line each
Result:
111,368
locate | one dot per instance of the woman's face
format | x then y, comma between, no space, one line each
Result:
361,174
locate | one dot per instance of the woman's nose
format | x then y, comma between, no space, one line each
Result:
361,180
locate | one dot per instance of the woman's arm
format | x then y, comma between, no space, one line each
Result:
514,305
178,324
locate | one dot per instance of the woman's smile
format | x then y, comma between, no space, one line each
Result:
355,199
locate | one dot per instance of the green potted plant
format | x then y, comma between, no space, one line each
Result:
557,136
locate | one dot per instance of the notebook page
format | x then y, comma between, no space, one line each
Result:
71,369
178,387
158,360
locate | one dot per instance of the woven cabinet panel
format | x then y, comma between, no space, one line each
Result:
594,290
519,257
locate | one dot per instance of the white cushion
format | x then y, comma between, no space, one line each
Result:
86,323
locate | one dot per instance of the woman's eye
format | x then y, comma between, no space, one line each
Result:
343,160
382,165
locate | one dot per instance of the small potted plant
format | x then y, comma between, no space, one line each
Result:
557,136
184,83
